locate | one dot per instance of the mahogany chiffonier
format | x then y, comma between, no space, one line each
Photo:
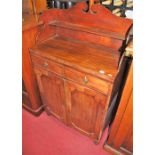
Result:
120,140
78,61
30,25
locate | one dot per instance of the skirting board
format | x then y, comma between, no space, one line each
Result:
35,112
114,151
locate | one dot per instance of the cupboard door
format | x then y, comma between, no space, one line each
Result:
52,93
86,109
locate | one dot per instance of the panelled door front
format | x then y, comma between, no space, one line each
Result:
52,91
86,109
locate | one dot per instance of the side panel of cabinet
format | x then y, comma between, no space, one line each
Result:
120,138
41,5
52,93
29,79
85,109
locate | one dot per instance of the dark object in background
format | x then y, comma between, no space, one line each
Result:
62,4
121,5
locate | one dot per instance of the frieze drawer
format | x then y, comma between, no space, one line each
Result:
87,80
48,65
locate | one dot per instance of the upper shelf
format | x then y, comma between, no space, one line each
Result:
102,22
93,30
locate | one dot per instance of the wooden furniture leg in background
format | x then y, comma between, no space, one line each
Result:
30,94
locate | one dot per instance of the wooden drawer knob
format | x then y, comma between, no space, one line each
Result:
45,64
85,80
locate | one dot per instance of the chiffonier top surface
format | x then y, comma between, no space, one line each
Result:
85,56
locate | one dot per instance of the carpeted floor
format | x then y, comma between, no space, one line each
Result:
45,135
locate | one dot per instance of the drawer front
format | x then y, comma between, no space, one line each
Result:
87,80
48,65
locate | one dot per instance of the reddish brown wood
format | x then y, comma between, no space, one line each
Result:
41,5
62,53
121,133
48,65
77,63
31,97
86,109
52,91
92,82
103,25
27,7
